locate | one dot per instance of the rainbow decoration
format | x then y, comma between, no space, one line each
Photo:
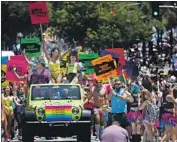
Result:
58,113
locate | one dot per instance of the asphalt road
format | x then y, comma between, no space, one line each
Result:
57,140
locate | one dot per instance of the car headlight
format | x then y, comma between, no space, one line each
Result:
41,111
75,111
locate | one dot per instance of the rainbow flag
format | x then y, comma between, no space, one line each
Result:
122,78
58,113
125,74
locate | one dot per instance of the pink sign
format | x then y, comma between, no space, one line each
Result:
21,69
120,52
19,58
38,12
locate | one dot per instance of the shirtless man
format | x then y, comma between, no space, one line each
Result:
99,94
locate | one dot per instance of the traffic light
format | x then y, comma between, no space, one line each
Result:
155,9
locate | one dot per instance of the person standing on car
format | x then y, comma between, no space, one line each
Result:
73,67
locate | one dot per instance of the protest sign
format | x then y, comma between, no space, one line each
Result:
105,52
21,69
120,52
32,46
104,67
4,82
19,58
86,61
88,56
38,12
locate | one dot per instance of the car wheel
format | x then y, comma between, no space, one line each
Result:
26,136
84,136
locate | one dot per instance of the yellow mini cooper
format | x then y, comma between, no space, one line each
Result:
56,110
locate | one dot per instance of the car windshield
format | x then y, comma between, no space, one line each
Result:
56,92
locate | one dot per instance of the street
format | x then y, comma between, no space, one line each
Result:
57,140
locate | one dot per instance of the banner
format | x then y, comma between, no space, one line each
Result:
58,113
21,70
4,82
38,12
120,52
104,67
32,46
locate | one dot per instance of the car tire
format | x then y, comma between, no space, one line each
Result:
27,137
84,136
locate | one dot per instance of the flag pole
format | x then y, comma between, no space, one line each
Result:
42,39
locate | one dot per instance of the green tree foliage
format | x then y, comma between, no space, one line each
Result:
90,22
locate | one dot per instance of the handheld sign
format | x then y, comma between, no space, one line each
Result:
104,67
120,52
21,70
86,61
19,58
4,82
38,12
32,46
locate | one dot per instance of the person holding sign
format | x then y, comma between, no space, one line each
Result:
40,75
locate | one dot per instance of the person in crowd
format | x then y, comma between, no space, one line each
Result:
133,115
98,92
119,97
4,122
115,133
151,114
20,103
89,105
168,116
7,101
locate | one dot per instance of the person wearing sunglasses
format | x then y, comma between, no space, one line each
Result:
99,94
119,98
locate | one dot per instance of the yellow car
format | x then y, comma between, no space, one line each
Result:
56,110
